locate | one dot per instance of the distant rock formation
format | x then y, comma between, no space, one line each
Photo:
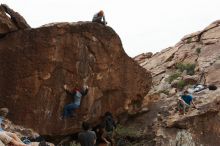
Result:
36,63
143,56
195,59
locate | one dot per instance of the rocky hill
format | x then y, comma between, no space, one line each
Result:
193,60
36,63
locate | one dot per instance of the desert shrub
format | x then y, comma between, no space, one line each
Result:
136,103
181,84
130,136
180,67
74,144
189,40
190,68
165,92
198,50
124,131
172,77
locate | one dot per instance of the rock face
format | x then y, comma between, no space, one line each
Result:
140,58
36,63
10,20
195,59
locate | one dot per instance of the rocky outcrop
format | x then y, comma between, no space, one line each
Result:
140,58
165,126
36,63
195,59
21,132
200,49
10,20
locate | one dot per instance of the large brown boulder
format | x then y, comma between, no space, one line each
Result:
36,63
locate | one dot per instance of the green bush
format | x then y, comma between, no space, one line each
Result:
136,103
190,68
123,131
165,92
189,40
172,77
74,144
180,67
181,84
198,50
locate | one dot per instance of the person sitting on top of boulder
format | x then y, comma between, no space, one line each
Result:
99,18
8,138
185,102
76,94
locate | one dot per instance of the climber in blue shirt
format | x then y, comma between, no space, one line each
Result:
77,95
185,101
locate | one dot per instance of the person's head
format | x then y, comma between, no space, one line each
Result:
85,126
108,114
85,87
4,112
185,92
101,13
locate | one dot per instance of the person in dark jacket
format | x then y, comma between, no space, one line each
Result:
110,127
77,95
99,18
87,137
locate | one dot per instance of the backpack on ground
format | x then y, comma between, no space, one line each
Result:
212,87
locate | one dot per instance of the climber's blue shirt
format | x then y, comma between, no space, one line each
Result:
1,119
77,97
187,99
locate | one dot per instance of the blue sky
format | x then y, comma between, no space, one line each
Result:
143,25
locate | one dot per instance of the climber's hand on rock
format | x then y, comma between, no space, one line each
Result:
65,87
86,87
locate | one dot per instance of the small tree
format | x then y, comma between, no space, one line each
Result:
190,68
189,40
172,77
